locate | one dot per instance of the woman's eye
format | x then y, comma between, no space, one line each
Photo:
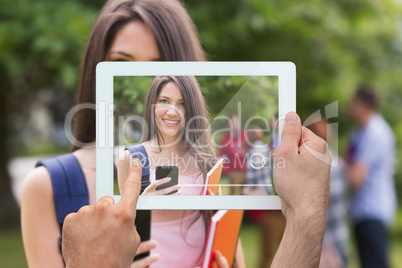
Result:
181,104
164,101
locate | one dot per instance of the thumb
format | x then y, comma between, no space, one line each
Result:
291,133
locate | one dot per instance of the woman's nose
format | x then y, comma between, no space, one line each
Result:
171,110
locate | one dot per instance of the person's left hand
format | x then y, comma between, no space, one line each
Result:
220,260
356,174
209,192
104,235
147,261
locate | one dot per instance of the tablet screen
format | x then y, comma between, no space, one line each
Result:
242,128
235,119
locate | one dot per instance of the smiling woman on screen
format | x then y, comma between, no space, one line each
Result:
174,107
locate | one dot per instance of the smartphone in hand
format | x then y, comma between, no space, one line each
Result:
171,171
143,226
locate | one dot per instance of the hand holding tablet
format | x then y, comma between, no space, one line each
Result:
303,170
304,209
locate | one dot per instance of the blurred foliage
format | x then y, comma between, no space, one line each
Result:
336,46
130,94
255,92
43,41
41,46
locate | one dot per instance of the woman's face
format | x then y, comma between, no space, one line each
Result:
133,42
170,112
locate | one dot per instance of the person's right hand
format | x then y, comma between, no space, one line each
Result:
104,235
301,177
219,260
301,171
151,189
147,261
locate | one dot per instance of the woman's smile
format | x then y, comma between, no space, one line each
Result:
171,123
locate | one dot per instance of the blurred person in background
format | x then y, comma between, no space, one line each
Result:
335,248
273,143
232,148
259,171
274,221
370,170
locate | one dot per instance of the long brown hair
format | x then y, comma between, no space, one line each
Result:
175,36
174,33
196,118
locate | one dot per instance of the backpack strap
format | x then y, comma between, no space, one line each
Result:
69,186
138,151
70,190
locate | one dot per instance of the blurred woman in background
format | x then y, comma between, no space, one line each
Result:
125,30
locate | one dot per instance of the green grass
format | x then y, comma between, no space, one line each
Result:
249,235
12,253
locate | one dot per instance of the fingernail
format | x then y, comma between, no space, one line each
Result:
154,244
292,118
154,257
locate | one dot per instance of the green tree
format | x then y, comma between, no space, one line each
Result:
40,48
335,45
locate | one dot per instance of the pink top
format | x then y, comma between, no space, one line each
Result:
181,242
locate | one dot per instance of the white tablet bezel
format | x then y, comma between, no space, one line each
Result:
105,73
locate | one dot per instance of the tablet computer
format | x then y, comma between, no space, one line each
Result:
255,96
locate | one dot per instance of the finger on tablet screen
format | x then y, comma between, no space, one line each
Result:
133,186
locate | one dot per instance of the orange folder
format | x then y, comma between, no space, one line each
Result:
223,235
213,177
